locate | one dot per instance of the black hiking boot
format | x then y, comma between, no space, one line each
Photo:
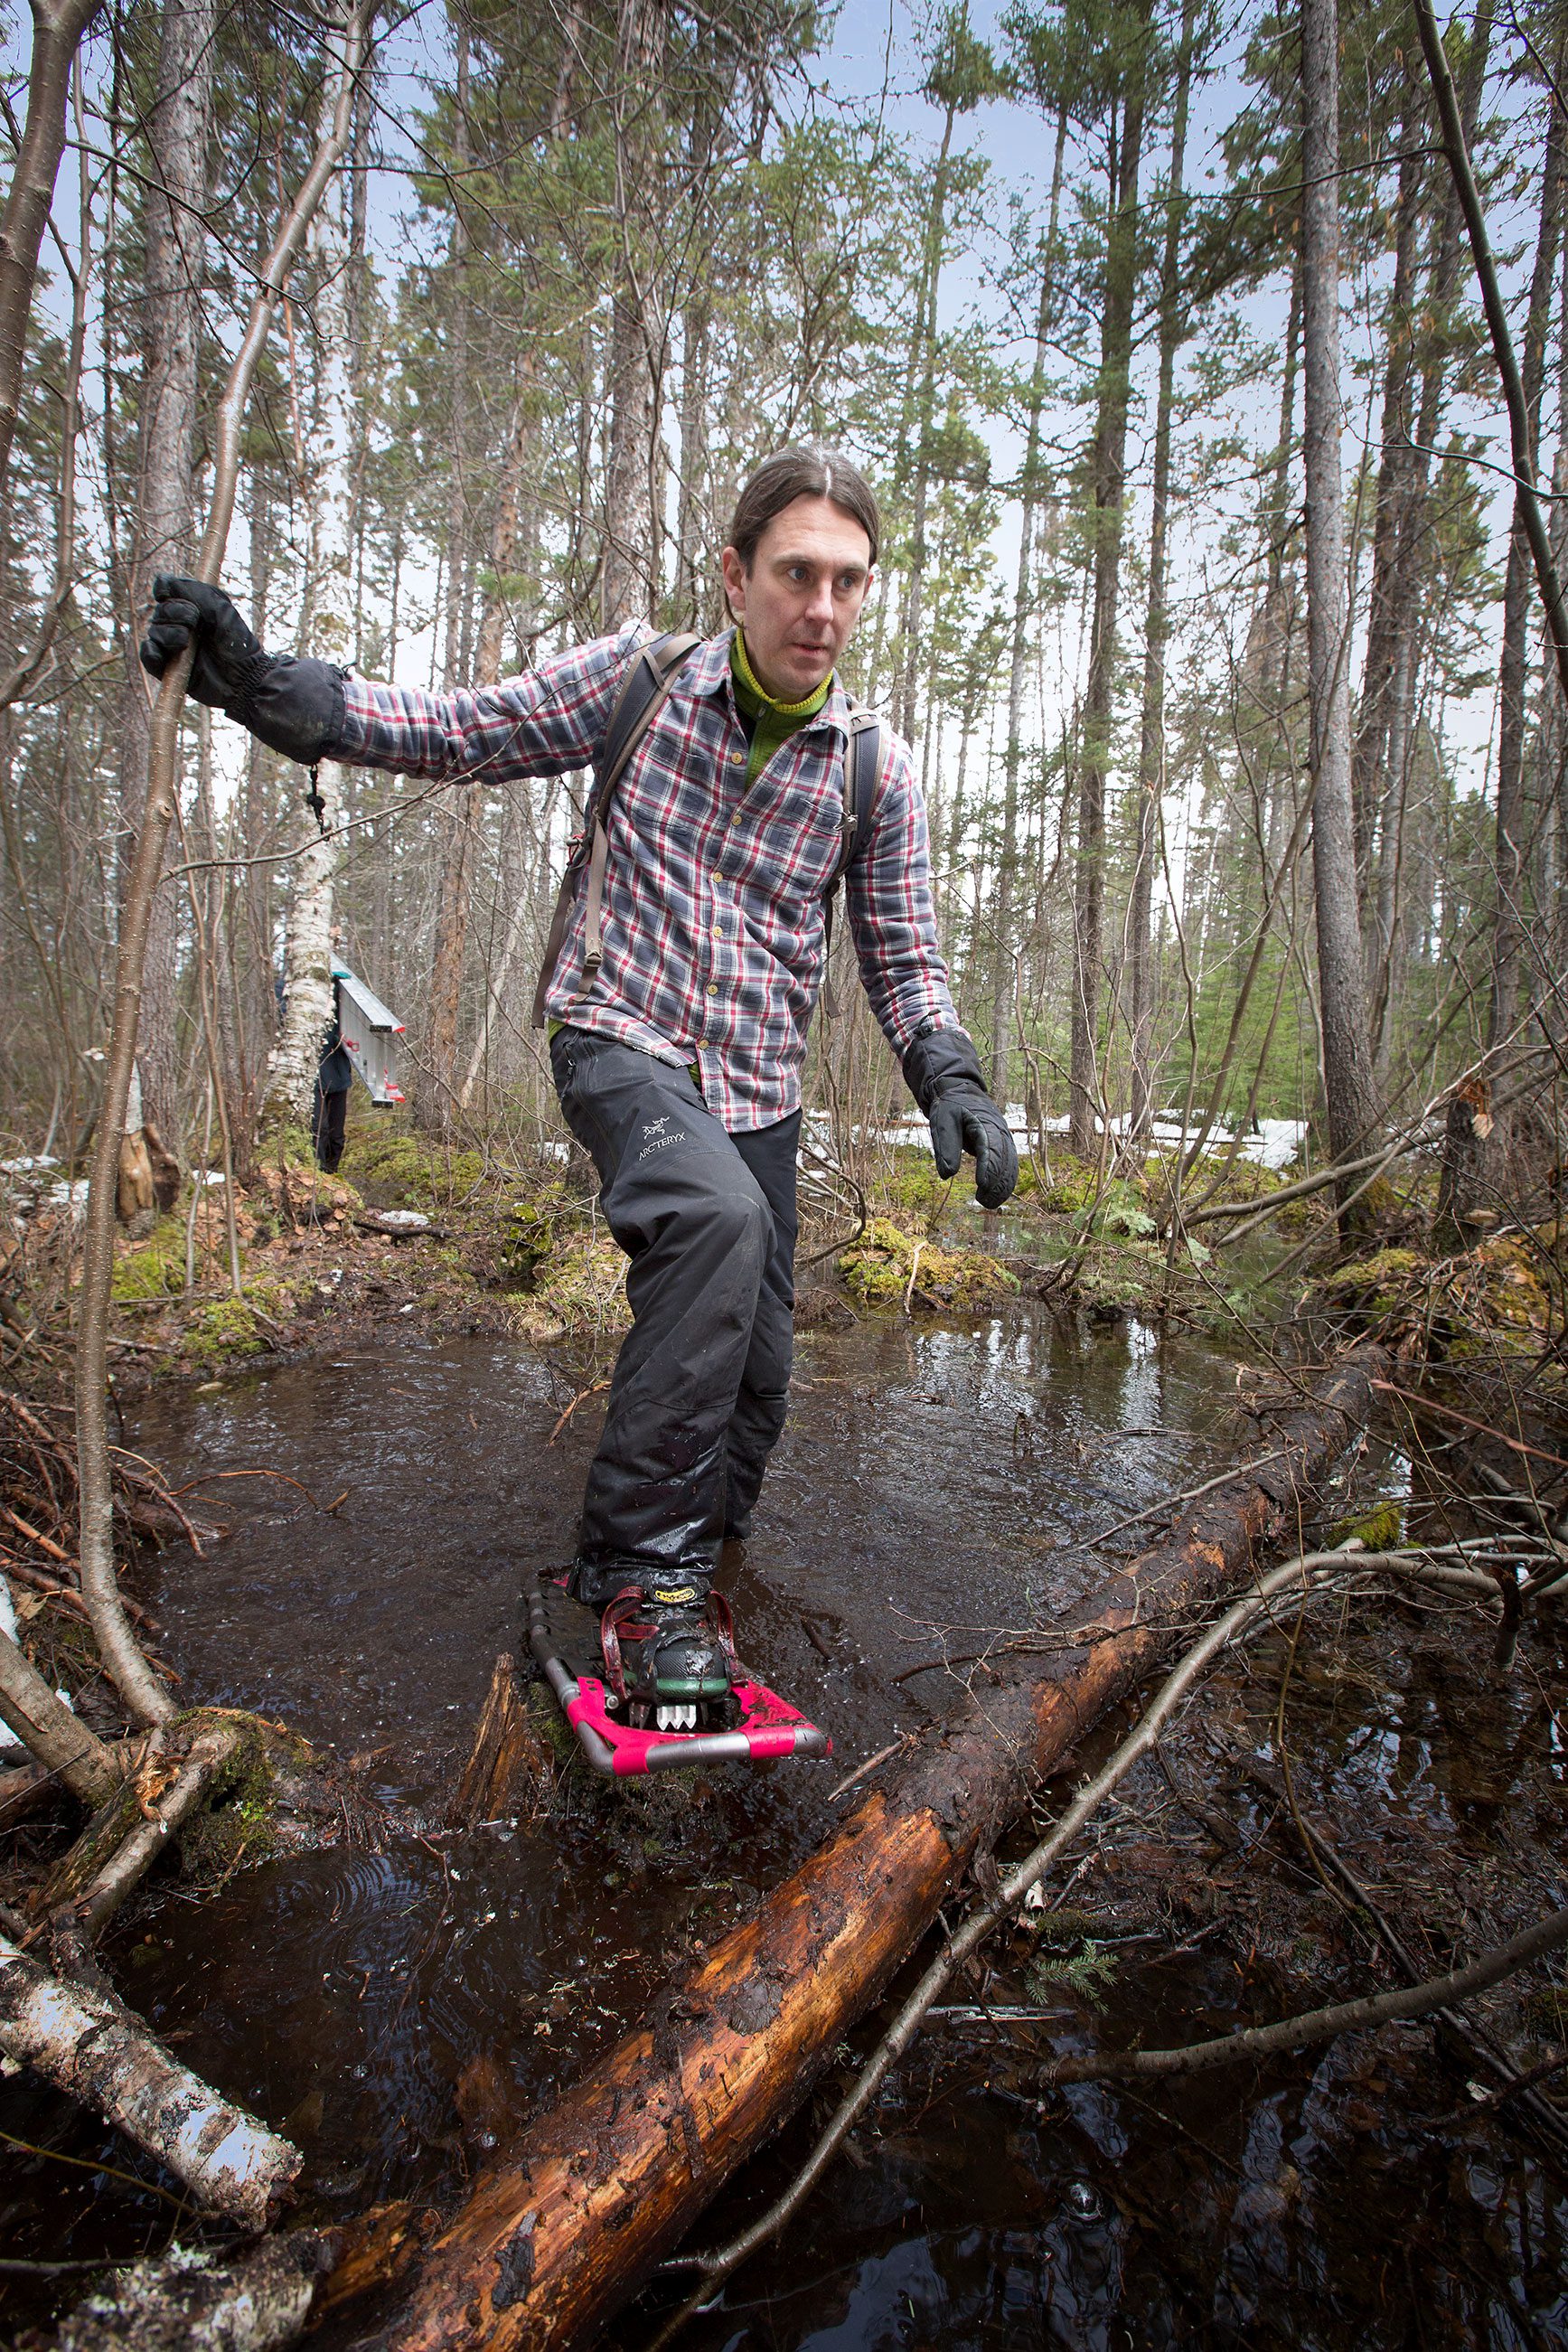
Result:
669,1653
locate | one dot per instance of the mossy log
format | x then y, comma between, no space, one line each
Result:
556,2237
123,1840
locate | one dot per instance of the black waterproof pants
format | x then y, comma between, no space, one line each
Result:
701,1385
329,1116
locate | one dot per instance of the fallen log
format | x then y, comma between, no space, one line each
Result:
189,2300
555,2238
47,1726
121,1842
84,2040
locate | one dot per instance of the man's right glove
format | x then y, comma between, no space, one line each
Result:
293,704
943,1071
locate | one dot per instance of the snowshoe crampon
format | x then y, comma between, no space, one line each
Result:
613,1693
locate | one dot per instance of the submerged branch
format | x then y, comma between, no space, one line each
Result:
1548,1935
87,2042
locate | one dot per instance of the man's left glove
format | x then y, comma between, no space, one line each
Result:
943,1071
291,703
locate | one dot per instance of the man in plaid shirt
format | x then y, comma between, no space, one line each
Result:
677,1060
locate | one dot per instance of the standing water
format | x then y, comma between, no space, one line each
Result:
399,2010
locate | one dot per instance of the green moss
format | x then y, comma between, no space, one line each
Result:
579,1287
878,1269
1380,1529
1377,1283
156,1267
1114,1279
395,1169
1071,1186
238,1822
227,1327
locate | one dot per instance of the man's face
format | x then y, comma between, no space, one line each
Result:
802,596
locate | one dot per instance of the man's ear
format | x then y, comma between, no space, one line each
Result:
734,572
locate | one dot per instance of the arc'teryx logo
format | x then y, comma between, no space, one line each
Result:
656,1137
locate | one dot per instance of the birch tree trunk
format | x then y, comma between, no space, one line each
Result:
162,531
139,1686
1108,473
436,1078
327,626
1347,1063
89,2045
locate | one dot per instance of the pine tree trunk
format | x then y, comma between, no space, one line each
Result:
1369,775
1347,1063
1108,476
162,529
1512,815
1018,669
627,588
58,27
906,693
1151,745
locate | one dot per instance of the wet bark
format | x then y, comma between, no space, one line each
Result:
552,2240
88,2044
1108,467
510,1759
200,2305
246,2302
1347,1061
119,1847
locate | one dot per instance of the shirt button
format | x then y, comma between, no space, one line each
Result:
736,818
713,988
718,930
736,758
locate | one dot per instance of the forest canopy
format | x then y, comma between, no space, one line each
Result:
1057,275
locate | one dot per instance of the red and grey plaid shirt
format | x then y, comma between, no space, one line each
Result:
713,916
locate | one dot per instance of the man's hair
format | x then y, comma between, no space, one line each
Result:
801,473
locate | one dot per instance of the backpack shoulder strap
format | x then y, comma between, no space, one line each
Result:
648,679
862,771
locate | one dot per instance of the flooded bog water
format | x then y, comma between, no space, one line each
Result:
399,2011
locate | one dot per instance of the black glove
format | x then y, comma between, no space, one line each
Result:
295,705
943,1071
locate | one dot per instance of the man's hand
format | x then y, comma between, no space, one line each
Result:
294,705
230,661
943,1071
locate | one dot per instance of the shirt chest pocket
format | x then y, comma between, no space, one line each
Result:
794,840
